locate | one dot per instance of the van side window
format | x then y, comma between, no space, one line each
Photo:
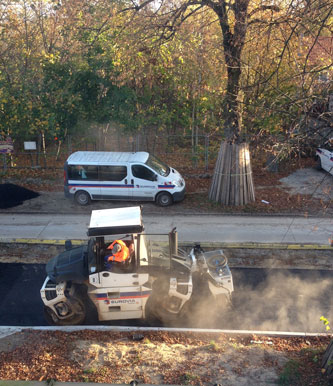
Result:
112,173
144,173
85,172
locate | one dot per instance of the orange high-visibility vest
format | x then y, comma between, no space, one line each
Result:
121,255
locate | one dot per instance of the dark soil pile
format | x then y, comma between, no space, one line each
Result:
13,195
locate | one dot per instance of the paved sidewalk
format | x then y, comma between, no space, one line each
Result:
191,228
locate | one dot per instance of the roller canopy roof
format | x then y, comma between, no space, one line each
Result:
115,221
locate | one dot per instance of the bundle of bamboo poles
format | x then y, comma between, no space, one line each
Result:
232,182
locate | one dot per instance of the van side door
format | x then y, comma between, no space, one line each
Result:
84,177
145,183
114,182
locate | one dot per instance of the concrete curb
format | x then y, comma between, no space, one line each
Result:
285,246
9,330
181,213
40,241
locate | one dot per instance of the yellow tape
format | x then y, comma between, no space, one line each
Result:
40,241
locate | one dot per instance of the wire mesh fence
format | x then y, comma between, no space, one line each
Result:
179,151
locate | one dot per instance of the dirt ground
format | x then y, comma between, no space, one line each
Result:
162,358
298,189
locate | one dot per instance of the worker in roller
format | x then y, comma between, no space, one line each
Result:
119,253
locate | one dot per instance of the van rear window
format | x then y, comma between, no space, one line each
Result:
112,173
85,172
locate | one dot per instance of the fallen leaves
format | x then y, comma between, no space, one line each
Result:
161,357
268,188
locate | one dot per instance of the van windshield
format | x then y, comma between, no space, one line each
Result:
158,166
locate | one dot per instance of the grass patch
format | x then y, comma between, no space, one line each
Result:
213,346
91,370
290,373
188,378
314,353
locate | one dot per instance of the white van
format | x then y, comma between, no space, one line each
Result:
96,175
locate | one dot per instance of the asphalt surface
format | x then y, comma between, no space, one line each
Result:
275,300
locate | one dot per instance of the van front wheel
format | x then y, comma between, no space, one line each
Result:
164,199
82,198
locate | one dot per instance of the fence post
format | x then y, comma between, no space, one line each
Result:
206,151
69,145
31,159
39,144
194,154
4,162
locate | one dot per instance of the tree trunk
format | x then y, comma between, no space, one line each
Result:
327,362
44,147
58,149
232,182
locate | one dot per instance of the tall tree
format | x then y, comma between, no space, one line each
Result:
233,161
232,182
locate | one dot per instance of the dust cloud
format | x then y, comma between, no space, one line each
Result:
281,301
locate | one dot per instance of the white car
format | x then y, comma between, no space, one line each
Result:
324,156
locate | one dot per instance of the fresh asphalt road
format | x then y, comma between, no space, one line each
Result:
191,228
276,300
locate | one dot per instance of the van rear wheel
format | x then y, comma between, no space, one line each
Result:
164,199
82,198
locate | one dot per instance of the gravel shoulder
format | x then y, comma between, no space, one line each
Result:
304,192
309,181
